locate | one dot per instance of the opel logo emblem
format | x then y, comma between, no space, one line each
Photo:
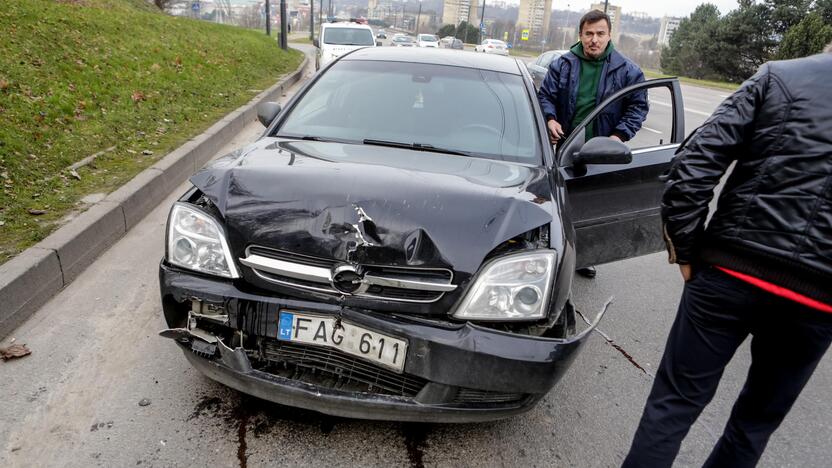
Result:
347,280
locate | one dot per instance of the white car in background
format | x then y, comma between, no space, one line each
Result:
336,39
427,40
492,46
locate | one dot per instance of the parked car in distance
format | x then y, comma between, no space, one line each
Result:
381,34
540,66
427,40
416,267
450,42
402,40
336,39
492,46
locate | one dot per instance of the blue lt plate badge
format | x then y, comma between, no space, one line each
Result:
284,326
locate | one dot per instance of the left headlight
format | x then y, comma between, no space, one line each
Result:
511,288
196,241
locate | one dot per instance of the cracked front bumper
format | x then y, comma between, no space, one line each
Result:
448,360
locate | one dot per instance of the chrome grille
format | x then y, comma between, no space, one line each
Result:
301,271
337,369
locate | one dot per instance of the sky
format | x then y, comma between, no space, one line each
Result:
655,8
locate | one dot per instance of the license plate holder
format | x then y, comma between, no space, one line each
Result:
327,331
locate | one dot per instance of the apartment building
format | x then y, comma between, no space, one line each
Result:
534,16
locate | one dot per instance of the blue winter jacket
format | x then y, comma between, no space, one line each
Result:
559,93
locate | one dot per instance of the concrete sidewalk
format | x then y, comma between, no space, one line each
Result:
29,280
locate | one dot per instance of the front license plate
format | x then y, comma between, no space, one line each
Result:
367,344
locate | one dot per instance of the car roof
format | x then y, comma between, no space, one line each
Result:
346,24
434,56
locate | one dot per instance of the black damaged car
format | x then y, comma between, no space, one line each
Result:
400,243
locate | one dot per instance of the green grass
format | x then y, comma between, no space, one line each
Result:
524,53
652,74
79,76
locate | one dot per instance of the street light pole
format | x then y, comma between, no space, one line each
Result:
312,20
284,23
482,20
467,22
268,19
606,5
418,18
563,39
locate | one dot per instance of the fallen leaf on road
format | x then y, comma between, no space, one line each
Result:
4,85
35,212
14,351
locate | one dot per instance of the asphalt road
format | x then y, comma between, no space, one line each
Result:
96,355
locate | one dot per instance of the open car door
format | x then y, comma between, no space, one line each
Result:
614,190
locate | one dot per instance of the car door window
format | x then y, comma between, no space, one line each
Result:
545,59
655,129
615,193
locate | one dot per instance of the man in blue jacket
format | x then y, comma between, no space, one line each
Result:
579,80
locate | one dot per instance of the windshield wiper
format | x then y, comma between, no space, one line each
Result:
415,146
312,138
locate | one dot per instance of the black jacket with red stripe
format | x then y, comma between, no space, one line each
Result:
774,214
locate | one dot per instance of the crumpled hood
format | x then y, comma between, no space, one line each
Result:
375,205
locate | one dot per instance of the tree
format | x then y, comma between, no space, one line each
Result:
446,30
806,38
824,9
468,33
162,4
785,13
693,43
745,42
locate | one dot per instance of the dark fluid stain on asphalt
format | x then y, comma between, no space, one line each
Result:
415,436
205,406
242,412
238,411
626,355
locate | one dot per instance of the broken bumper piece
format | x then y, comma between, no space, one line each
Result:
452,373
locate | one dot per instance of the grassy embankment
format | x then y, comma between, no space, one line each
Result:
724,85
81,76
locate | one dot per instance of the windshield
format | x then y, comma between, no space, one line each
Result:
484,113
428,38
348,36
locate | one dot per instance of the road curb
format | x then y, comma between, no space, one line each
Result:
33,277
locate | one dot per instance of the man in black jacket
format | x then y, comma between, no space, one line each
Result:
762,267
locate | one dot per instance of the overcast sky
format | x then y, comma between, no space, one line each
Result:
652,7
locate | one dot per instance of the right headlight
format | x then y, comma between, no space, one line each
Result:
196,241
511,288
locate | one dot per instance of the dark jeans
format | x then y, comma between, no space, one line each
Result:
716,313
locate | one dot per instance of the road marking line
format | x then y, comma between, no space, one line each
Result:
650,129
692,111
691,98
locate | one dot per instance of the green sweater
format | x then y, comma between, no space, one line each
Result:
588,85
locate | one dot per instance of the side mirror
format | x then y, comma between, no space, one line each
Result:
266,112
316,43
378,44
603,150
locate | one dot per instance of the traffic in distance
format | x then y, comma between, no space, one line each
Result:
417,267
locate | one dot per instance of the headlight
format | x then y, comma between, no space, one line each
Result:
197,242
515,287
